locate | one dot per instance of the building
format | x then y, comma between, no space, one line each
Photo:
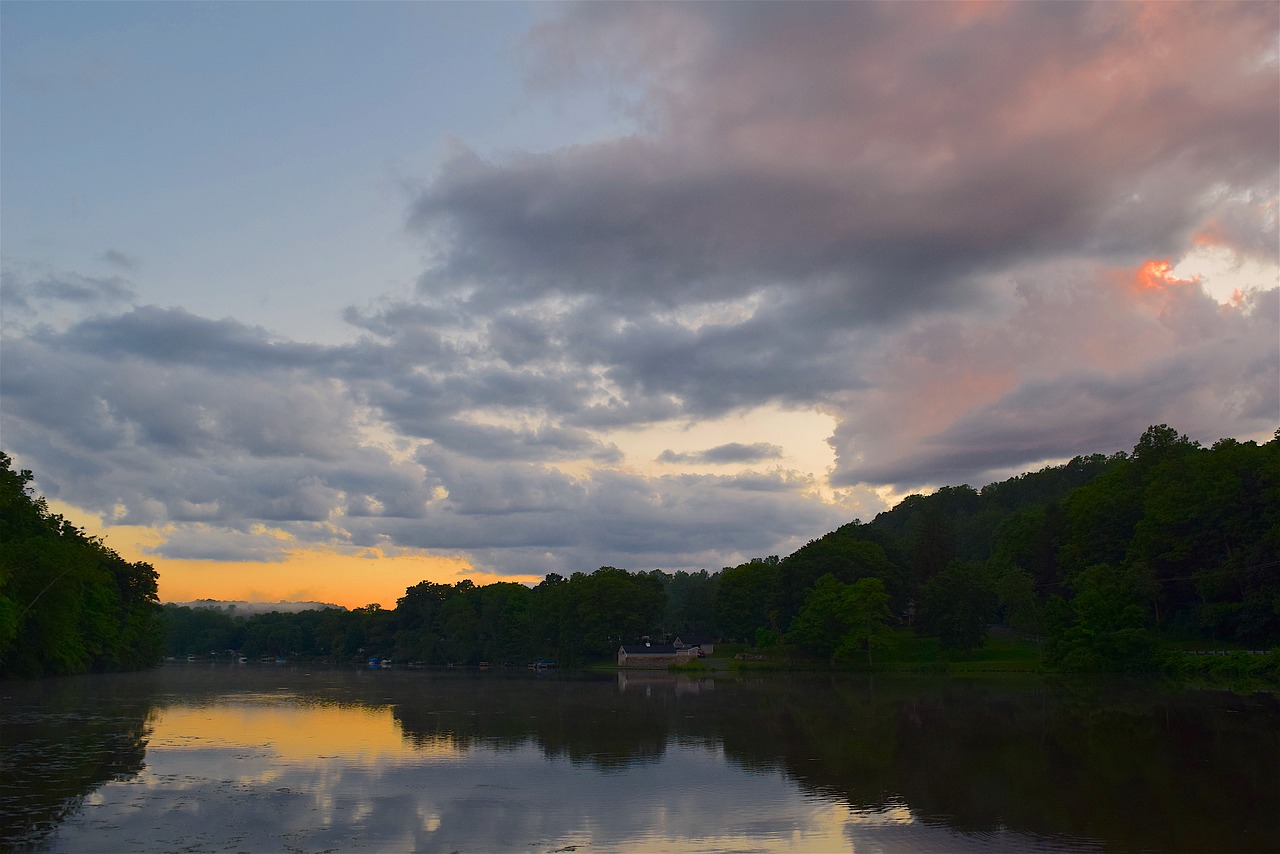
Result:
654,655
706,643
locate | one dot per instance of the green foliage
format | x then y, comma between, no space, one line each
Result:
1017,603
1105,627
844,554
957,606
767,638
582,618
610,607
690,602
839,620
68,603
1238,669
200,631
747,599
1029,540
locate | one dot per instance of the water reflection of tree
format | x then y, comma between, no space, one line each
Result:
565,718
64,738
1137,767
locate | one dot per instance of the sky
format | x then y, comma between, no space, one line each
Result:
314,301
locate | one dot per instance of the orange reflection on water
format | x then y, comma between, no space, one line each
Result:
296,732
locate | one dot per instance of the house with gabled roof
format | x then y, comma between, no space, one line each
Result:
654,655
704,642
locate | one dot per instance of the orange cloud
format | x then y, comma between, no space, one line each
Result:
1157,275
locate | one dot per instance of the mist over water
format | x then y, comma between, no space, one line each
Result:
265,758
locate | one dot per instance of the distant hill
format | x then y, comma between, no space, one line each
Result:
248,609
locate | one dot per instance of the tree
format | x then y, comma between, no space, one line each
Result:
869,616
1105,627
613,606
844,553
1160,443
68,603
840,619
935,543
419,629
691,600
1015,592
747,597
957,606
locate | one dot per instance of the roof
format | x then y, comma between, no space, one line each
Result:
649,649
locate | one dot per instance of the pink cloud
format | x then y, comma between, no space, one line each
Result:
1078,363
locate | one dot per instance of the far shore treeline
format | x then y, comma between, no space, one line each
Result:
1108,561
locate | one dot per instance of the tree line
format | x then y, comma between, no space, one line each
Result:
1104,558
68,603
573,620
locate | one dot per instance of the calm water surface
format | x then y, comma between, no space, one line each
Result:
264,758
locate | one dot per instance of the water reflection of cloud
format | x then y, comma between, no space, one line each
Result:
262,772
495,801
297,732
250,796
895,814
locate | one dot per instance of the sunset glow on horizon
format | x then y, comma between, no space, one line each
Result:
315,575
351,579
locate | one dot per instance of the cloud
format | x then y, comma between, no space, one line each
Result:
947,227
732,452
533,519
31,291
212,429
209,543
116,258
156,416
862,182
1080,363
875,153
178,337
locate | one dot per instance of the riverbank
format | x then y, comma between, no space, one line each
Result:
1234,670
904,651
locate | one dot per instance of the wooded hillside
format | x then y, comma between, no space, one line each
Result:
68,603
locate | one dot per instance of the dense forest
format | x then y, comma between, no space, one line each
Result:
1105,559
68,604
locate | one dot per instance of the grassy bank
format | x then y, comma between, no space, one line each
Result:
1002,653
906,651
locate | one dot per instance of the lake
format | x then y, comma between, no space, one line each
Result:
260,757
